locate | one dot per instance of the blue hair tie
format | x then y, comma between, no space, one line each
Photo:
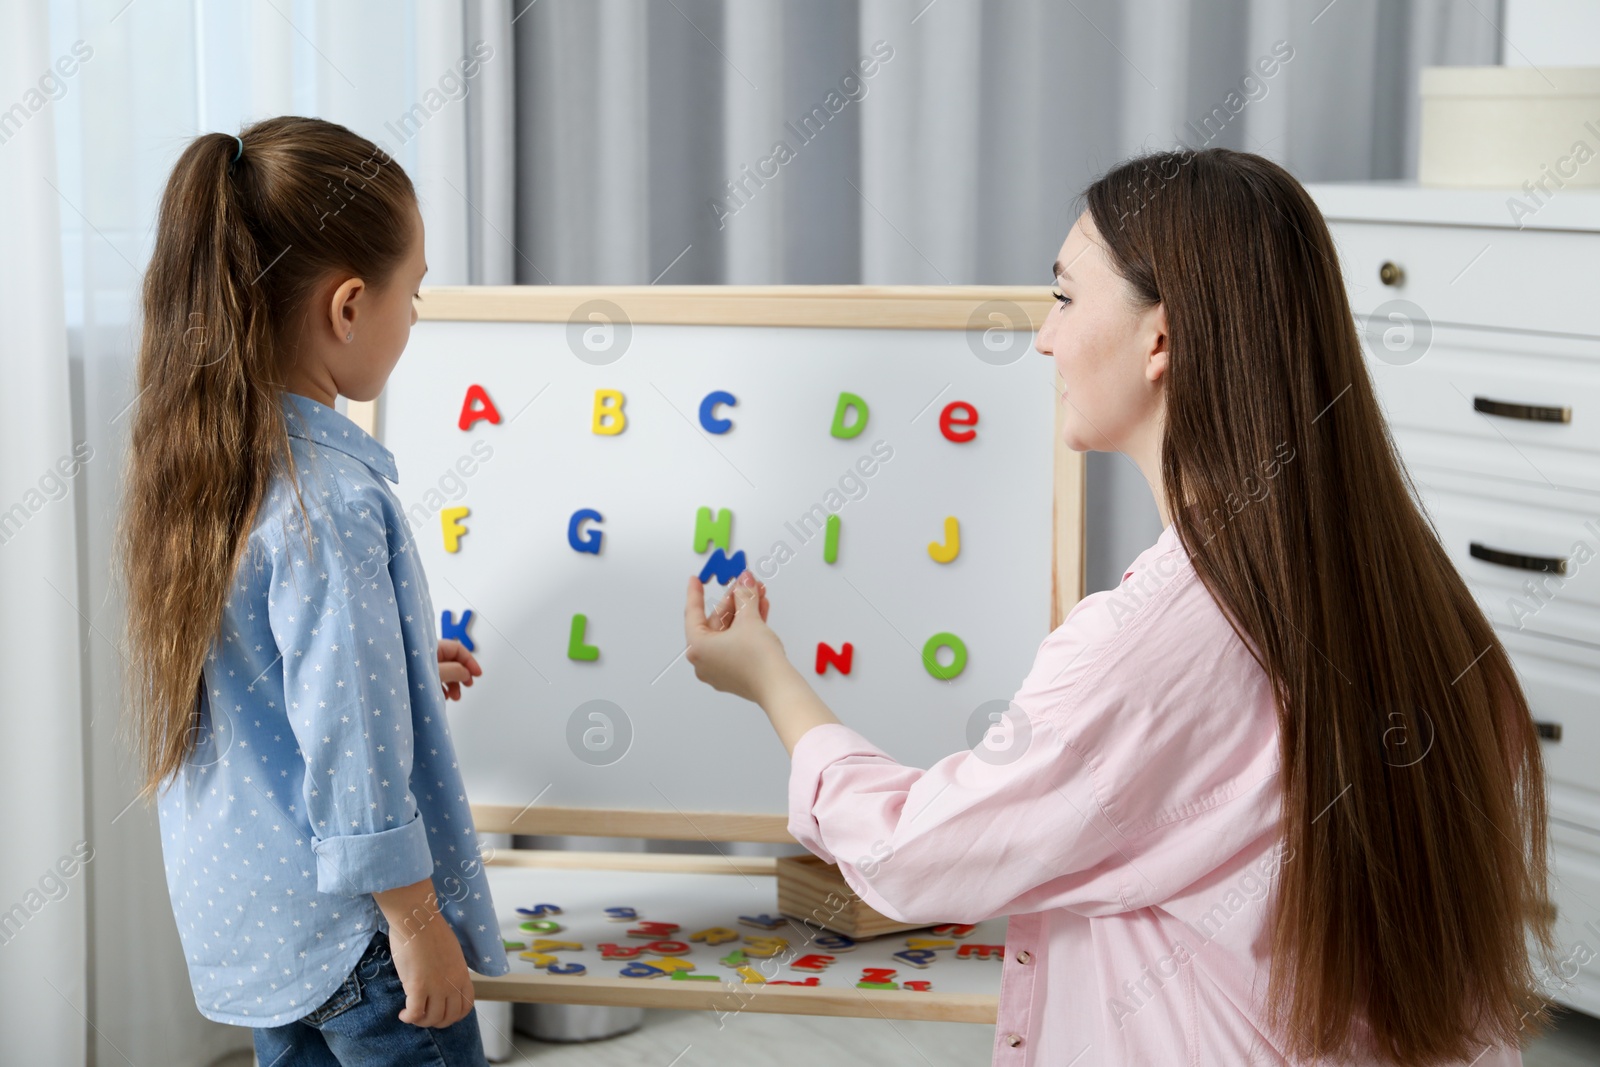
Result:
239,153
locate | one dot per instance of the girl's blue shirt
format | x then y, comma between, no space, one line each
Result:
323,769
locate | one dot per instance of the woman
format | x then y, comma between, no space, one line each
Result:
1280,799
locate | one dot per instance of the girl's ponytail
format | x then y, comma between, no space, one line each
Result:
249,228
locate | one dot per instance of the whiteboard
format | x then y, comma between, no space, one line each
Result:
527,729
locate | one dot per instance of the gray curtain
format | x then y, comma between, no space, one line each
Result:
645,136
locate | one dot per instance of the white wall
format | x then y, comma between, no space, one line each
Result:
1551,33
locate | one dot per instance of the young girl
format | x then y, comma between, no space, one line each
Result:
1277,797
287,688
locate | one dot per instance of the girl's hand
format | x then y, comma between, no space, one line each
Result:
427,956
734,651
433,974
457,667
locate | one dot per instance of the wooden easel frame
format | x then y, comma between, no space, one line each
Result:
822,306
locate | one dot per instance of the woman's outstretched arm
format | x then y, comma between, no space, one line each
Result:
734,652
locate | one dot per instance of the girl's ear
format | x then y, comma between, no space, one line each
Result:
342,307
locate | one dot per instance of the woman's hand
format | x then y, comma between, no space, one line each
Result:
734,651
457,667
722,618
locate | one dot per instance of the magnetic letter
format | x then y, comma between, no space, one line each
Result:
952,542
840,661
566,968
608,405
979,952
450,518
830,541
725,568
477,407
669,964
587,540
846,401
958,413
448,627
930,652
955,929
652,931
708,417
916,957
576,649
667,948
812,962
611,951
765,947
707,532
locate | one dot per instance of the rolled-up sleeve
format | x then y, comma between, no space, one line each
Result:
333,614
964,840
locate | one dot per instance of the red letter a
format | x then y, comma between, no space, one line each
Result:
478,407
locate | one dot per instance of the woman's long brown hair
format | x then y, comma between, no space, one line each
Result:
240,248
1413,787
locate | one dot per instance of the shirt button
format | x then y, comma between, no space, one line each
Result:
1024,956
1013,1040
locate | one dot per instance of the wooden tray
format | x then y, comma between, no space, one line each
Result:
815,892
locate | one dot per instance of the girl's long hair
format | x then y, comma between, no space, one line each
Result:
240,247
1413,786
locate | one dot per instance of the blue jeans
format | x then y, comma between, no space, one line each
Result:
359,1026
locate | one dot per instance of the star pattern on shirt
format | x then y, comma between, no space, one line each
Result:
323,622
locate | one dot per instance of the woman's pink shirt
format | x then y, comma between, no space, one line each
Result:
1125,817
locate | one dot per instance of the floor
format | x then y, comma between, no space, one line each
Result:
695,1039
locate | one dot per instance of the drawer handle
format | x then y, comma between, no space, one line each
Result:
1545,564
1548,731
1391,273
1530,412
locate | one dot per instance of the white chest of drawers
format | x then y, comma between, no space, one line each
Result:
1483,340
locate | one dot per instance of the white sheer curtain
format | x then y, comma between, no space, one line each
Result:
161,72
43,881
596,144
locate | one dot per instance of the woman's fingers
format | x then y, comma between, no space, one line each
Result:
722,616
694,612
747,599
